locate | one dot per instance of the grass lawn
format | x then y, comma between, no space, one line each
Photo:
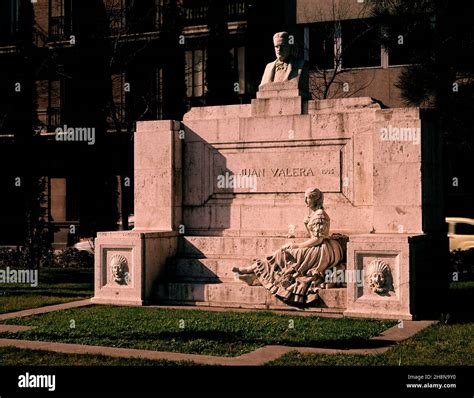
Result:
191,331
439,345
219,333
54,286
10,356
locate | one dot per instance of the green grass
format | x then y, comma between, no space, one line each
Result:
439,345
54,286
11,356
219,333
202,332
464,285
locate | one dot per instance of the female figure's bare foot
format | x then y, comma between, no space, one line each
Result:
244,270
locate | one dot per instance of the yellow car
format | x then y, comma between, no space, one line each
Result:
460,233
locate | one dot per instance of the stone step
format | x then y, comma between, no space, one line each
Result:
208,270
240,295
212,246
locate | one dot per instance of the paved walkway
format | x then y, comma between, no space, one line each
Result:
13,328
376,345
44,310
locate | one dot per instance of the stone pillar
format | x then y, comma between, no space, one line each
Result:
378,276
128,264
158,181
279,99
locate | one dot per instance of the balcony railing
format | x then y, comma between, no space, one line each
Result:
236,10
50,119
57,29
121,22
145,20
196,13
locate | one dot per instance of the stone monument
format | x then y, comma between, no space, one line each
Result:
295,272
219,192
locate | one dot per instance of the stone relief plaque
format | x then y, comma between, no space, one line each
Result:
117,267
380,277
277,169
380,273
120,269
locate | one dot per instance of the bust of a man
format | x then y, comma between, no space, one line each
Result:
286,68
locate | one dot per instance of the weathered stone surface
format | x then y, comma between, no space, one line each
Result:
211,246
239,295
361,183
144,254
277,106
217,112
158,176
208,270
392,250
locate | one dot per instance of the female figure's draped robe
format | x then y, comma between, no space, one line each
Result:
292,274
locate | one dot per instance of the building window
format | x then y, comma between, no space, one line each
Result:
360,44
60,24
343,44
58,199
118,93
49,104
322,39
195,73
238,56
195,12
72,198
143,16
14,14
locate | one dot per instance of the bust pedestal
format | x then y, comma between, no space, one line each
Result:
280,98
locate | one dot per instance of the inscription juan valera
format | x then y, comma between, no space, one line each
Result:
284,172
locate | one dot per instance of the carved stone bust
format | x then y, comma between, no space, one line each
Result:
119,266
286,71
380,277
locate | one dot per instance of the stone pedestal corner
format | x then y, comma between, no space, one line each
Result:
128,264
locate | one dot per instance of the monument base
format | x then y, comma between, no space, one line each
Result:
403,258
239,295
196,211
128,263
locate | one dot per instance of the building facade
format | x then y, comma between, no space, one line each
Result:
101,66
106,64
